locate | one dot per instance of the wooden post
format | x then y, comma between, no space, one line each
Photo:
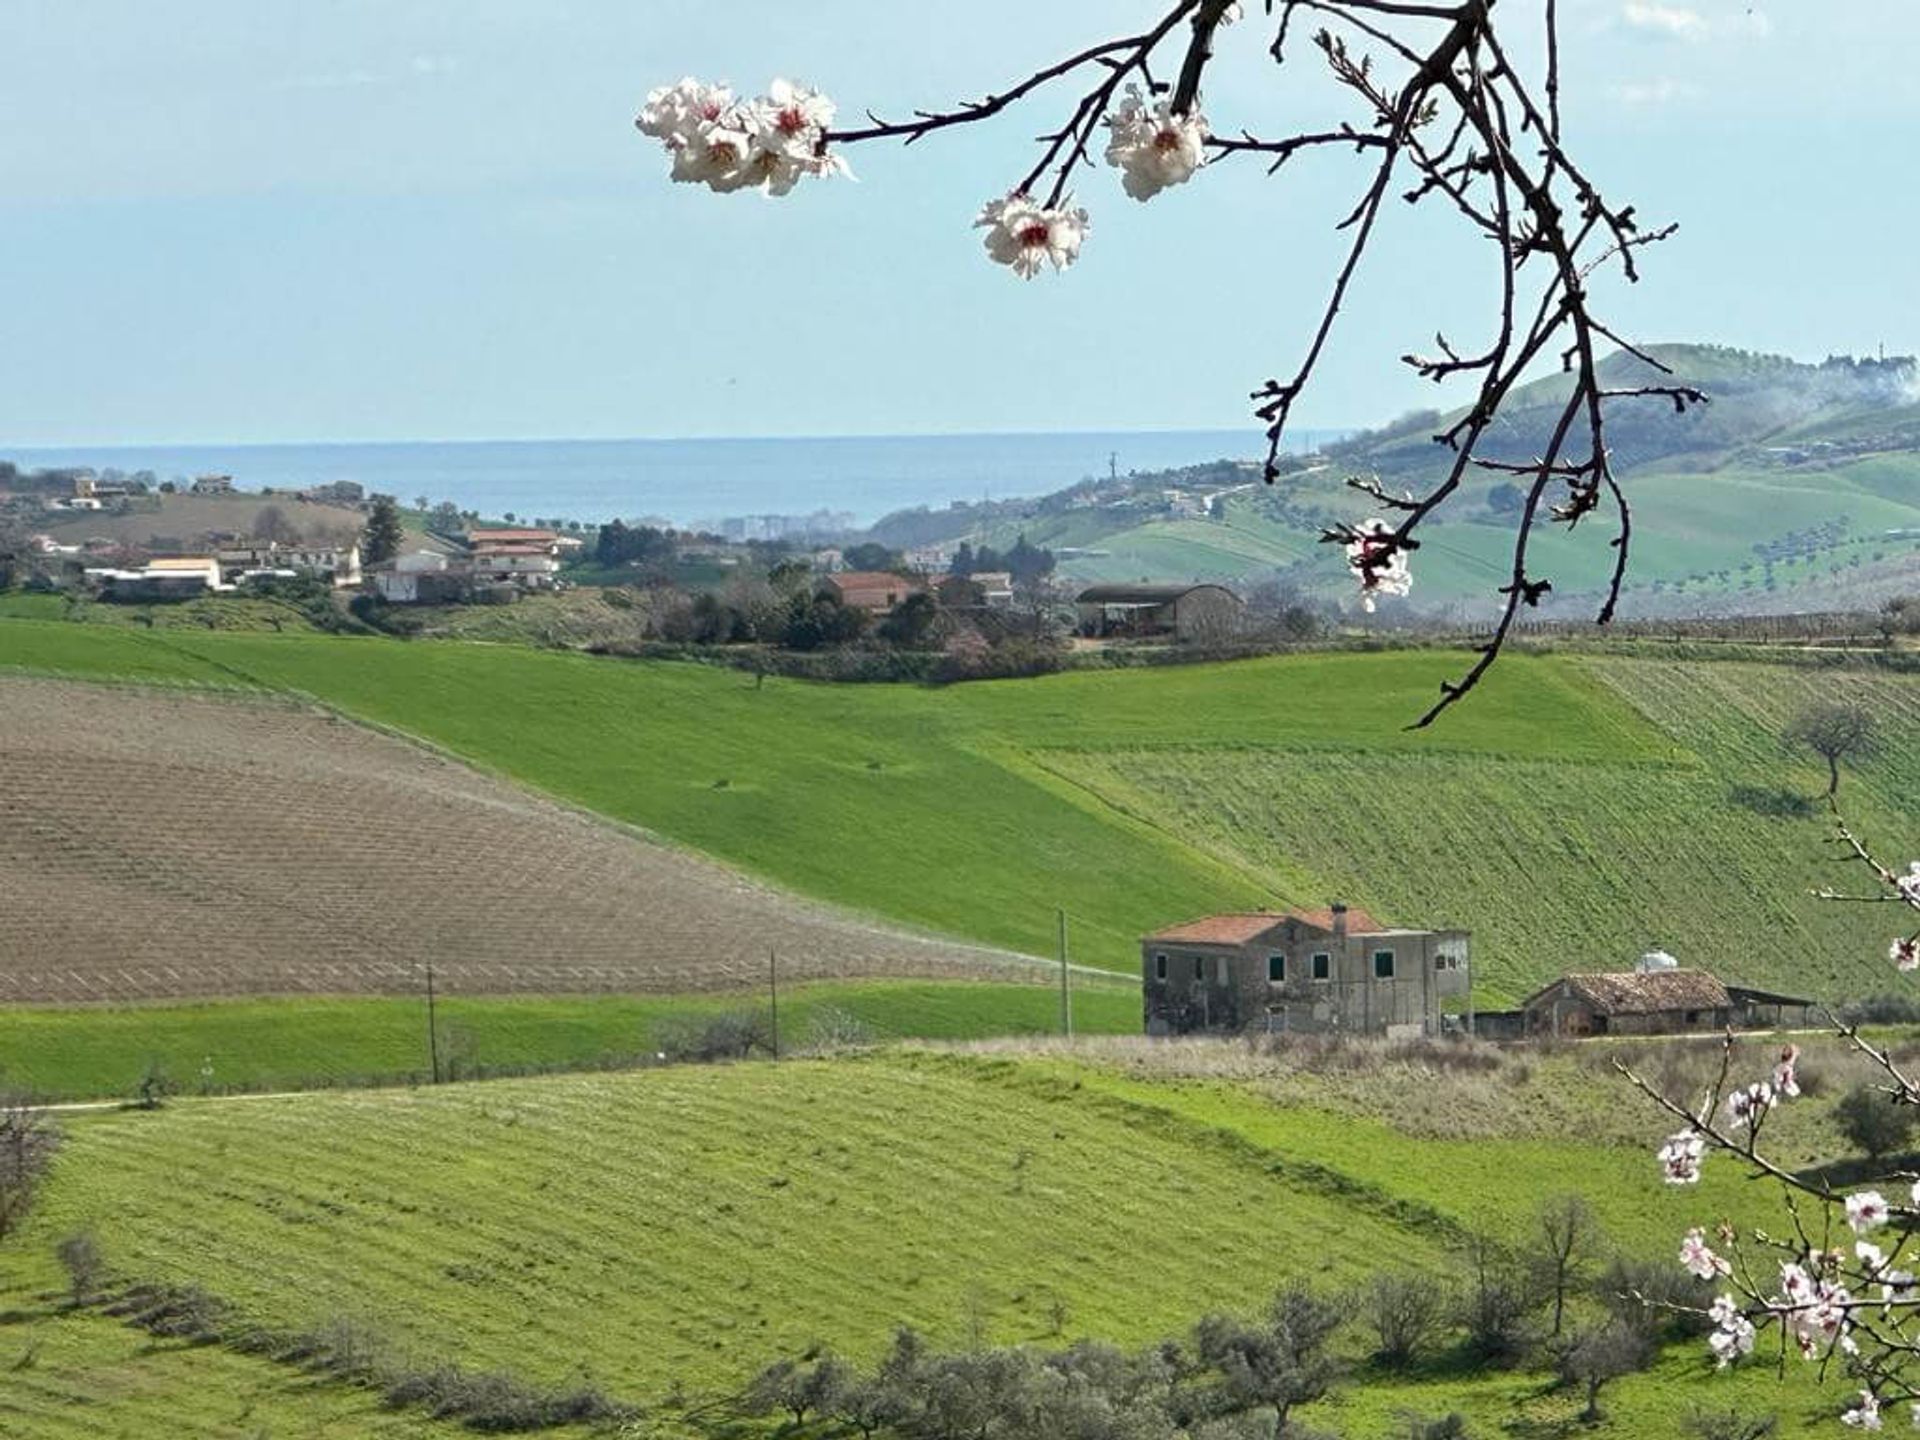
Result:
433,1028
1066,993
773,996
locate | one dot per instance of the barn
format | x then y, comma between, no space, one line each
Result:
1190,613
1656,1002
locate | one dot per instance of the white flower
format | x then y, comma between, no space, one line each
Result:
1905,953
1866,1210
1379,561
1909,884
1153,147
1026,236
1699,1259
1680,1158
1785,1083
765,144
1745,1107
1733,1332
1866,1415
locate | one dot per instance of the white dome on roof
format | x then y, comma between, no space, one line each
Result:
1655,960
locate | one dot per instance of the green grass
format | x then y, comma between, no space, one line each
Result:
88,1052
1575,812
689,1224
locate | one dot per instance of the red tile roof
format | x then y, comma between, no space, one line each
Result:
1238,929
872,580
505,533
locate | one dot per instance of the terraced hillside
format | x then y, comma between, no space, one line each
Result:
675,1230
166,843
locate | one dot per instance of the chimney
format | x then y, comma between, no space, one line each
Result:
1339,919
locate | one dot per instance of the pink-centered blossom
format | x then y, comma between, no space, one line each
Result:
1680,1158
1026,236
769,143
1866,1210
1699,1259
1909,884
1379,561
1732,1333
1865,1415
1905,952
1152,147
1786,1083
1745,1106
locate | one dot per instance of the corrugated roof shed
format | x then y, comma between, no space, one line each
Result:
1138,594
1633,993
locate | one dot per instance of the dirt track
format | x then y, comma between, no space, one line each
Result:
155,843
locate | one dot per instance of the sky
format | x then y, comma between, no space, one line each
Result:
433,219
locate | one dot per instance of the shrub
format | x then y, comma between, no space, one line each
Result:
86,1267
1405,1313
1873,1124
732,1035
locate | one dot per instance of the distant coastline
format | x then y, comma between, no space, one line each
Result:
686,481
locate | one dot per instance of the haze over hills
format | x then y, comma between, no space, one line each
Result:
1797,487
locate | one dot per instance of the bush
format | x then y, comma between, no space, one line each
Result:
733,1035
1873,1124
1405,1313
86,1267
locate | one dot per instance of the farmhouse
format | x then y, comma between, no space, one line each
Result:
1331,970
1184,612
528,558
875,591
419,577
213,485
177,578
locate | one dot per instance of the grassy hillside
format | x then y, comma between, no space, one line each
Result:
688,1225
91,1051
1552,816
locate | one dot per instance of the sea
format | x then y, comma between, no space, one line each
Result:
687,482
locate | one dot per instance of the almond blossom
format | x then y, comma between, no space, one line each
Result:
1865,1415
1909,884
1026,235
1380,561
1733,1332
1152,146
1866,1210
1905,952
1785,1083
726,144
1746,1106
1815,1312
1680,1158
1699,1259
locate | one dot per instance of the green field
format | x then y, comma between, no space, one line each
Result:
218,1047
685,1225
1576,811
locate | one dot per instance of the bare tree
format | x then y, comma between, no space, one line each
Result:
1835,730
1567,1234
1405,1313
26,1142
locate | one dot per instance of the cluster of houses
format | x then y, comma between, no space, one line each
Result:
1338,970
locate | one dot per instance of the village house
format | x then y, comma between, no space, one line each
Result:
420,577
180,577
874,591
1179,612
213,485
337,564
1333,970
528,558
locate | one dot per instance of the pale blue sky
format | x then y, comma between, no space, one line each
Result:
346,219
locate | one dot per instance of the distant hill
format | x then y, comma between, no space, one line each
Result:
1798,487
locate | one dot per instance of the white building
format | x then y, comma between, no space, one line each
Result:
337,563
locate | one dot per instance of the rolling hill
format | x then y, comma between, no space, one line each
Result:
1580,809
1798,487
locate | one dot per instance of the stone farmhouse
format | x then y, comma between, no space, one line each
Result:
1652,1002
1179,612
1336,970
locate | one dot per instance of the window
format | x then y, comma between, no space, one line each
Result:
1276,969
1220,969
1159,967
1199,968
1322,965
1383,964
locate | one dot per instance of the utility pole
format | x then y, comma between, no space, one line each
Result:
773,996
1066,993
433,1028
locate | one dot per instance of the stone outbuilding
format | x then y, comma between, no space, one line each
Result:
1192,613
1336,970
1657,1002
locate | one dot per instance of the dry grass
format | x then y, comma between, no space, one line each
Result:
167,844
